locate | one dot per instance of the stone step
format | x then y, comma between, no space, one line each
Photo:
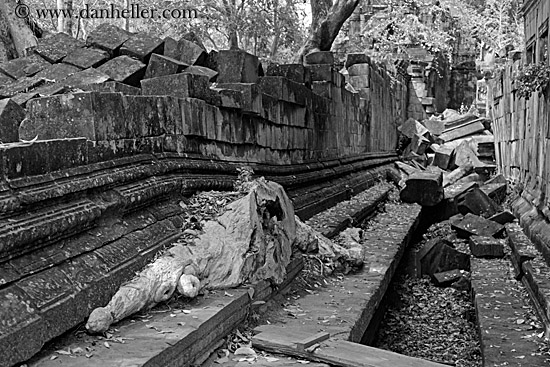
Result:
507,337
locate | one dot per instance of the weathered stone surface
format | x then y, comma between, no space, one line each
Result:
456,174
458,188
190,53
460,132
359,70
498,179
503,217
4,80
411,127
57,46
201,70
496,191
163,65
22,98
108,37
418,145
228,98
24,66
179,85
486,246
423,188
11,115
171,48
447,278
50,89
111,86
141,46
85,77
435,127
236,66
465,153
124,69
212,60
295,72
57,72
358,58
58,117
251,96
85,58
476,202
473,225
439,256
319,58
20,86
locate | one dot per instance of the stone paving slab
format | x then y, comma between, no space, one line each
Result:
507,337
345,304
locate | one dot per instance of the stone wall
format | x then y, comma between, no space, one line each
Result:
115,141
522,145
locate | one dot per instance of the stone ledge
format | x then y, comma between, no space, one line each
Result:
170,338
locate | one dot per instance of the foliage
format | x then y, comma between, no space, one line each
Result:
262,27
532,78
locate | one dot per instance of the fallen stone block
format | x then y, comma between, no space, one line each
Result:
112,86
446,278
236,66
160,65
411,127
486,246
418,145
50,89
464,154
460,132
57,46
22,98
442,157
141,46
108,37
424,188
24,66
124,69
171,48
177,85
191,53
496,191
500,179
476,202
456,174
474,225
408,169
11,115
503,217
201,70
228,98
85,58
435,127
57,72
85,78
319,58
438,256
459,188
454,119
22,85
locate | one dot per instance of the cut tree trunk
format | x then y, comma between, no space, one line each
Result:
325,27
249,242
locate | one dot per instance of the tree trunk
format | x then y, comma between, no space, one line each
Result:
325,26
16,36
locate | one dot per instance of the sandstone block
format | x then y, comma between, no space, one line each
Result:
357,58
141,46
473,225
124,69
160,65
20,86
236,66
191,53
108,37
11,115
295,72
85,78
57,46
319,58
486,247
476,202
503,217
24,66
85,58
423,188
57,72
179,85
201,70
